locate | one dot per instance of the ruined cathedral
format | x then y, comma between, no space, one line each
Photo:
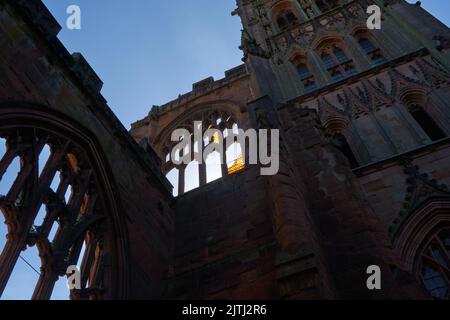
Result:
364,122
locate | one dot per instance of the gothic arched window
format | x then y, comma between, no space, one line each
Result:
374,53
337,62
55,217
435,265
427,123
215,165
286,19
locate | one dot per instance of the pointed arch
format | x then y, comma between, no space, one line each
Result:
95,197
427,229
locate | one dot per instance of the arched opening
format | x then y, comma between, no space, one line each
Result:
212,167
428,125
336,61
340,141
368,46
192,176
8,174
55,188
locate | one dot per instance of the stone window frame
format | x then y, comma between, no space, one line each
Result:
337,68
90,216
209,119
308,81
375,55
417,232
284,10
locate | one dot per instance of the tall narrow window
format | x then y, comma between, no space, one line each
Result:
341,143
371,51
306,77
428,125
39,249
337,63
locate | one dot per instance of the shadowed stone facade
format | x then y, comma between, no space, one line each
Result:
364,120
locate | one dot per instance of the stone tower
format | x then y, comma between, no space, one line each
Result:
357,109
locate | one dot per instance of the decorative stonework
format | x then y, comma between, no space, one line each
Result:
420,189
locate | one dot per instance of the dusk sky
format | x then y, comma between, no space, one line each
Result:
147,52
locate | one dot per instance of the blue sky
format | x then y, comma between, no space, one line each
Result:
147,52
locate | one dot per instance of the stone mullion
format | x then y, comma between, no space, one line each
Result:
63,236
86,264
29,165
444,249
47,176
7,159
74,258
56,203
224,164
181,179
43,186
16,245
202,173
8,260
55,206
63,185
76,202
359,56
408,121
50,273
62,241
97,268
19,183
46,284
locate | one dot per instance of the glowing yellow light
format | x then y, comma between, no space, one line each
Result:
238,165
216,138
